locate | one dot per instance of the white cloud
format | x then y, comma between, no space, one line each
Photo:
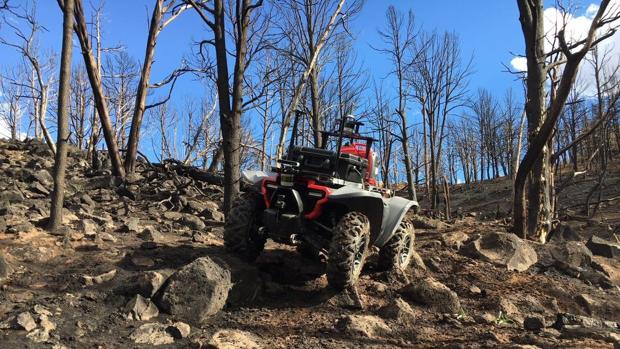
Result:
591,10
576,28
5,132
519,63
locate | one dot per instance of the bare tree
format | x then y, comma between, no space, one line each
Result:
230,95
81,101
439,84
536,164
399,38
13,99
312,61
39,85
94,76
64,100
120,72
159,21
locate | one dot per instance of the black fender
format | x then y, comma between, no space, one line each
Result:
395,210
369,203
384,214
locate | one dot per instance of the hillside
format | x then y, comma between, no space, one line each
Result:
101,282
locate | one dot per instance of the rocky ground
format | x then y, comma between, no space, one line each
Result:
141,264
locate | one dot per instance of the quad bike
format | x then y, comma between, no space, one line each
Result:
326,201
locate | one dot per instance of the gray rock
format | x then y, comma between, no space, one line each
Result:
233,339
43,176
398,310
5,267
88,227
455,240
212,212
179,330
604,248
46,324
152,334
25,321
197,291
434,294
140,309
145,284
132,225
151,234
38,188
192,222
503,249
571,255
11,196
534,323
563,233
348,298
98,279
23,227
610,268
369,326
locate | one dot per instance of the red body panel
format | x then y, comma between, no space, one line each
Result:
359,149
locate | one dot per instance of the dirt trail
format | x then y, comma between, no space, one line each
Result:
286,303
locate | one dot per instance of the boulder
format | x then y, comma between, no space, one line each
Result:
233,339
369,326
152,334
145,284
571,255
604,248
434,294
610,268
197,291
563,232
504,249
140,309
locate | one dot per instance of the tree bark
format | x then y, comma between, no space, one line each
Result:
64,101
143,86
95,82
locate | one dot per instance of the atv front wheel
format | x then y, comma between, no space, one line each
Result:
397,252
241,229
348,250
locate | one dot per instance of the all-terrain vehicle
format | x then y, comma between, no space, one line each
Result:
327,202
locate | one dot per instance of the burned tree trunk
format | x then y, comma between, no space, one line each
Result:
64,101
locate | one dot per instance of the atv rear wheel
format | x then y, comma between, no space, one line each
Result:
241,229
398,251
348,250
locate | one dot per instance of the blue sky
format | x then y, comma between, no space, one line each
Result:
489,31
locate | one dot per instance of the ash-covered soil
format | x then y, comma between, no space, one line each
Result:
101,281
